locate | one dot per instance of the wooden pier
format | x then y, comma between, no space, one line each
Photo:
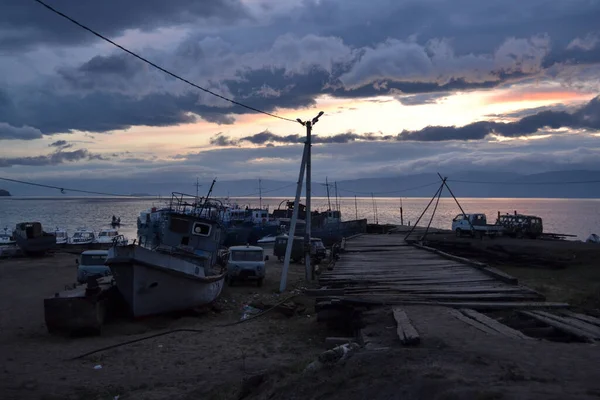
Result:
385,270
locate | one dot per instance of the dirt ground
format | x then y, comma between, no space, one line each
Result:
265,358
34,364
454,361
562,270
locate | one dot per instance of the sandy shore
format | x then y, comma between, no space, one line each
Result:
35,363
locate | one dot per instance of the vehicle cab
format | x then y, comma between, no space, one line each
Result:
465,222
317,248
246,263
91,264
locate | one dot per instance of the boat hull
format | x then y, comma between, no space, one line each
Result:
149,288
38,245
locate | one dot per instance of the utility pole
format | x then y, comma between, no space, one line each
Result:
305,164
259,193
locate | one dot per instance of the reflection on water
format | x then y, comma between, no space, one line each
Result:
572,216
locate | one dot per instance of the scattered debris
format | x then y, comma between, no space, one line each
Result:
331,357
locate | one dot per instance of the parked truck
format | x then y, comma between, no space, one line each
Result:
475,225
520,226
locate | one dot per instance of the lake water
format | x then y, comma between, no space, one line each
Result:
579,217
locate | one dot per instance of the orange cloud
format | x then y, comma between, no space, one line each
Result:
537,96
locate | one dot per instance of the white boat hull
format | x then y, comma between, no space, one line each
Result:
151,286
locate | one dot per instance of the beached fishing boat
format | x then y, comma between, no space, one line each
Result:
32,239
174,267
154,282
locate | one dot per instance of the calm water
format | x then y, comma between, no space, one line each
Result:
572,216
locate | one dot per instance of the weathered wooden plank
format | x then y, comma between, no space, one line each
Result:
495,325
503,276
589,328
582,317
570,329
476,324
406,331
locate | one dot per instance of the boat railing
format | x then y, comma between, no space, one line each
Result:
189,204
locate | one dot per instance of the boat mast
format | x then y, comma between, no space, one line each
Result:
337,204
259,193
328,198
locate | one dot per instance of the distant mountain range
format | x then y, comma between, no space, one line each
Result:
559,184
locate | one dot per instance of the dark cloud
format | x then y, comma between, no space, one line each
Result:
219,119
24,24
419,99
346,49
8,131
56,158
586,117
62,144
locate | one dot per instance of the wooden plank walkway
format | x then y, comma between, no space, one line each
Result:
383,269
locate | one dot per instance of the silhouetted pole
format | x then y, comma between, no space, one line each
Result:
355,207
292,231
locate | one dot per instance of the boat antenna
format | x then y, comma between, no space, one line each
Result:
197,186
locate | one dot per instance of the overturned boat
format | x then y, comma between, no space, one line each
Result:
154,282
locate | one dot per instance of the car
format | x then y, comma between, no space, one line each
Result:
246,263
91,264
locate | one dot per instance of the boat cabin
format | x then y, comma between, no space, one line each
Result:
29,230
260,216
193,234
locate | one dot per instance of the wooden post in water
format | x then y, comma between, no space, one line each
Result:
355,207
401,213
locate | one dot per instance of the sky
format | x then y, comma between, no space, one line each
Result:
406,87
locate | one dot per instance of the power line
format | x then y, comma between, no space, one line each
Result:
64,189
157,66
525,183
393,191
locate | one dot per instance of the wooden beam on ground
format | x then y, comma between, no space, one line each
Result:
589,328
582,317
406,332
570,329
476,324
493,324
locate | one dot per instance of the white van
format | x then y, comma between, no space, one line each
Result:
246,263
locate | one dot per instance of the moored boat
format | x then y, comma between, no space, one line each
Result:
6,237
82,236
61,236
109,236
